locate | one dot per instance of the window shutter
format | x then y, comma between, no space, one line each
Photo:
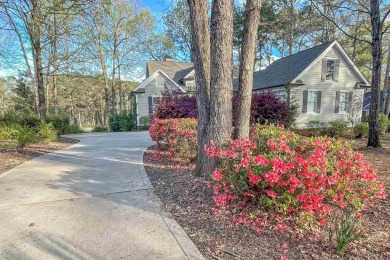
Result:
349,105
150,101
304,106
337,107
323,72
336,70
319,101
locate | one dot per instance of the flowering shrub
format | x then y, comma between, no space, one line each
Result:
174,105
285,173
265,108
176,135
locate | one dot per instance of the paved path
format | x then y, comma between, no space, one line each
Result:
92,200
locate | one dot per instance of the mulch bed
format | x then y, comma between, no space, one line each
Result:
11,158
190,202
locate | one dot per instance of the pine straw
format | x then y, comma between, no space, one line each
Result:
190,202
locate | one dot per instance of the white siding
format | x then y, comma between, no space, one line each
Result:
150,90
312,81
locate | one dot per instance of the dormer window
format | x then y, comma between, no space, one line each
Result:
330,68
160,82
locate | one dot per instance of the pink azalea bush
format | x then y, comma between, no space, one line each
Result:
280,172
177,136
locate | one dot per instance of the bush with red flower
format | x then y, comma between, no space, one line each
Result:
277,171
178,136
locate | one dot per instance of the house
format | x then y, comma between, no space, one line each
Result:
322,81
367,102
178,76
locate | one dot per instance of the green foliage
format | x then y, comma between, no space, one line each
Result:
338,128
25,119
74,129
346,231
17,136
120,123
47,133
100,128
60,123
383,123
145,121
361,130
316,128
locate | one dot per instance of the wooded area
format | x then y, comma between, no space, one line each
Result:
79,58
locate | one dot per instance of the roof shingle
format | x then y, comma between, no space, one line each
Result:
285,70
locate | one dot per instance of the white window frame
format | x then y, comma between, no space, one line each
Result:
154,103
346,102
316,98
161,79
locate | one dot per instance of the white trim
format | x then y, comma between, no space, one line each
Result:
136,102
191,74
345,56
153,76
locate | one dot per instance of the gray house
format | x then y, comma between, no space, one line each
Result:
321,80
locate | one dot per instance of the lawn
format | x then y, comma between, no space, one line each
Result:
190,202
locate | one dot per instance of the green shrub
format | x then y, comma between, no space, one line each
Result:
17,136
316,128
145,121
338,128
100,128
74,129
47,133
361,130
383,123
24,119
60,123
119,123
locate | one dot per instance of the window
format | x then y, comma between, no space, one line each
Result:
343,103
155,101
160,82
312,97
330,69
282,95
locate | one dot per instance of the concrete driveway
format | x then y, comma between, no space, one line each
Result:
92,200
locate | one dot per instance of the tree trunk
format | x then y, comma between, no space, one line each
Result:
55,66
106,88
201,58
221,89
120,89
37,53
386,92
245,81
114,57
376,34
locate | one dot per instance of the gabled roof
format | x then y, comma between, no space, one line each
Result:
141,87
175,70
290,68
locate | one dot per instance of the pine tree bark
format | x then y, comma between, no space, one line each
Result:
221,83
245,80
376,44
201,57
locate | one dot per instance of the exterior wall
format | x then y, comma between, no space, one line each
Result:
150,90
312,81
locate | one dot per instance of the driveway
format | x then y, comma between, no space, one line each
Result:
92,200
